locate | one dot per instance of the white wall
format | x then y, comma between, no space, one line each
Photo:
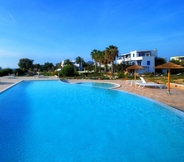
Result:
152,63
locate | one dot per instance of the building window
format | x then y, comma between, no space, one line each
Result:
133,55
139,63
141,54
148,62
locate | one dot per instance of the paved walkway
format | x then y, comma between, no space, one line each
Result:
175,99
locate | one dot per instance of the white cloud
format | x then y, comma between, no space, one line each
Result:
12,18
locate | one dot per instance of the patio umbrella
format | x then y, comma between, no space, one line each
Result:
135,67
169,66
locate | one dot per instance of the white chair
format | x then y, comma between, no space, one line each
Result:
143,80
149,84
12,76
133,82
41,76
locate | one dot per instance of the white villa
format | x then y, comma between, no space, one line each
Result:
145,58
177,58
78,66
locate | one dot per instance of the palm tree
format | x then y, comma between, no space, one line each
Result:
79,61
68,62
105,62
101,59
94,56
111,53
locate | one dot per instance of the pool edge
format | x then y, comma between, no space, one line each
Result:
10,86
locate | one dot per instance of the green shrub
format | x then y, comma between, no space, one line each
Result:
67,70
18,71
121,75
182,75
47,73
6,71
103,77
54,73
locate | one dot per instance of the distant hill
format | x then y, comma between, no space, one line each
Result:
90,62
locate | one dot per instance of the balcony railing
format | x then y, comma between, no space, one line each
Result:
136,58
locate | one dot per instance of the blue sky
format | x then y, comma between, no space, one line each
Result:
51,31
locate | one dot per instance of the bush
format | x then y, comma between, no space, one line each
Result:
54,73
121,75
47,73
67,70
18,71
5,72
151,75
103,77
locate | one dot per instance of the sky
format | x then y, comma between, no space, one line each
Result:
55,30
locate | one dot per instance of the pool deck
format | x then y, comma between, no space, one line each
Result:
175,99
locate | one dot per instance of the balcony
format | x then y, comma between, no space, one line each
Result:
127,59
137,58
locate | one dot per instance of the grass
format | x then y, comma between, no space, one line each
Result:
164,79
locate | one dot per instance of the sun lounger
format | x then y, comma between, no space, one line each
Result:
149,84
128,81
143,80
10,76
41,76
133,82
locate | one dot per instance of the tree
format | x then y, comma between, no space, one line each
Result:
159,61
88,66
48,66
18,71
100,58
25,64
79,61
67,70
121,67
178,62
94,56
104,61
6,71
111,53
58,65
36,67
67,62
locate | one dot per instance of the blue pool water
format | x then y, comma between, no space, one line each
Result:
51,121
97,84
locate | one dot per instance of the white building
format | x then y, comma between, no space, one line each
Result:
145,58
177,58
78,66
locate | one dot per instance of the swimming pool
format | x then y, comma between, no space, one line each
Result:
55,121
105,85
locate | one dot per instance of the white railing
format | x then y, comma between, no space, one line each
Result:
136,58
127,59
